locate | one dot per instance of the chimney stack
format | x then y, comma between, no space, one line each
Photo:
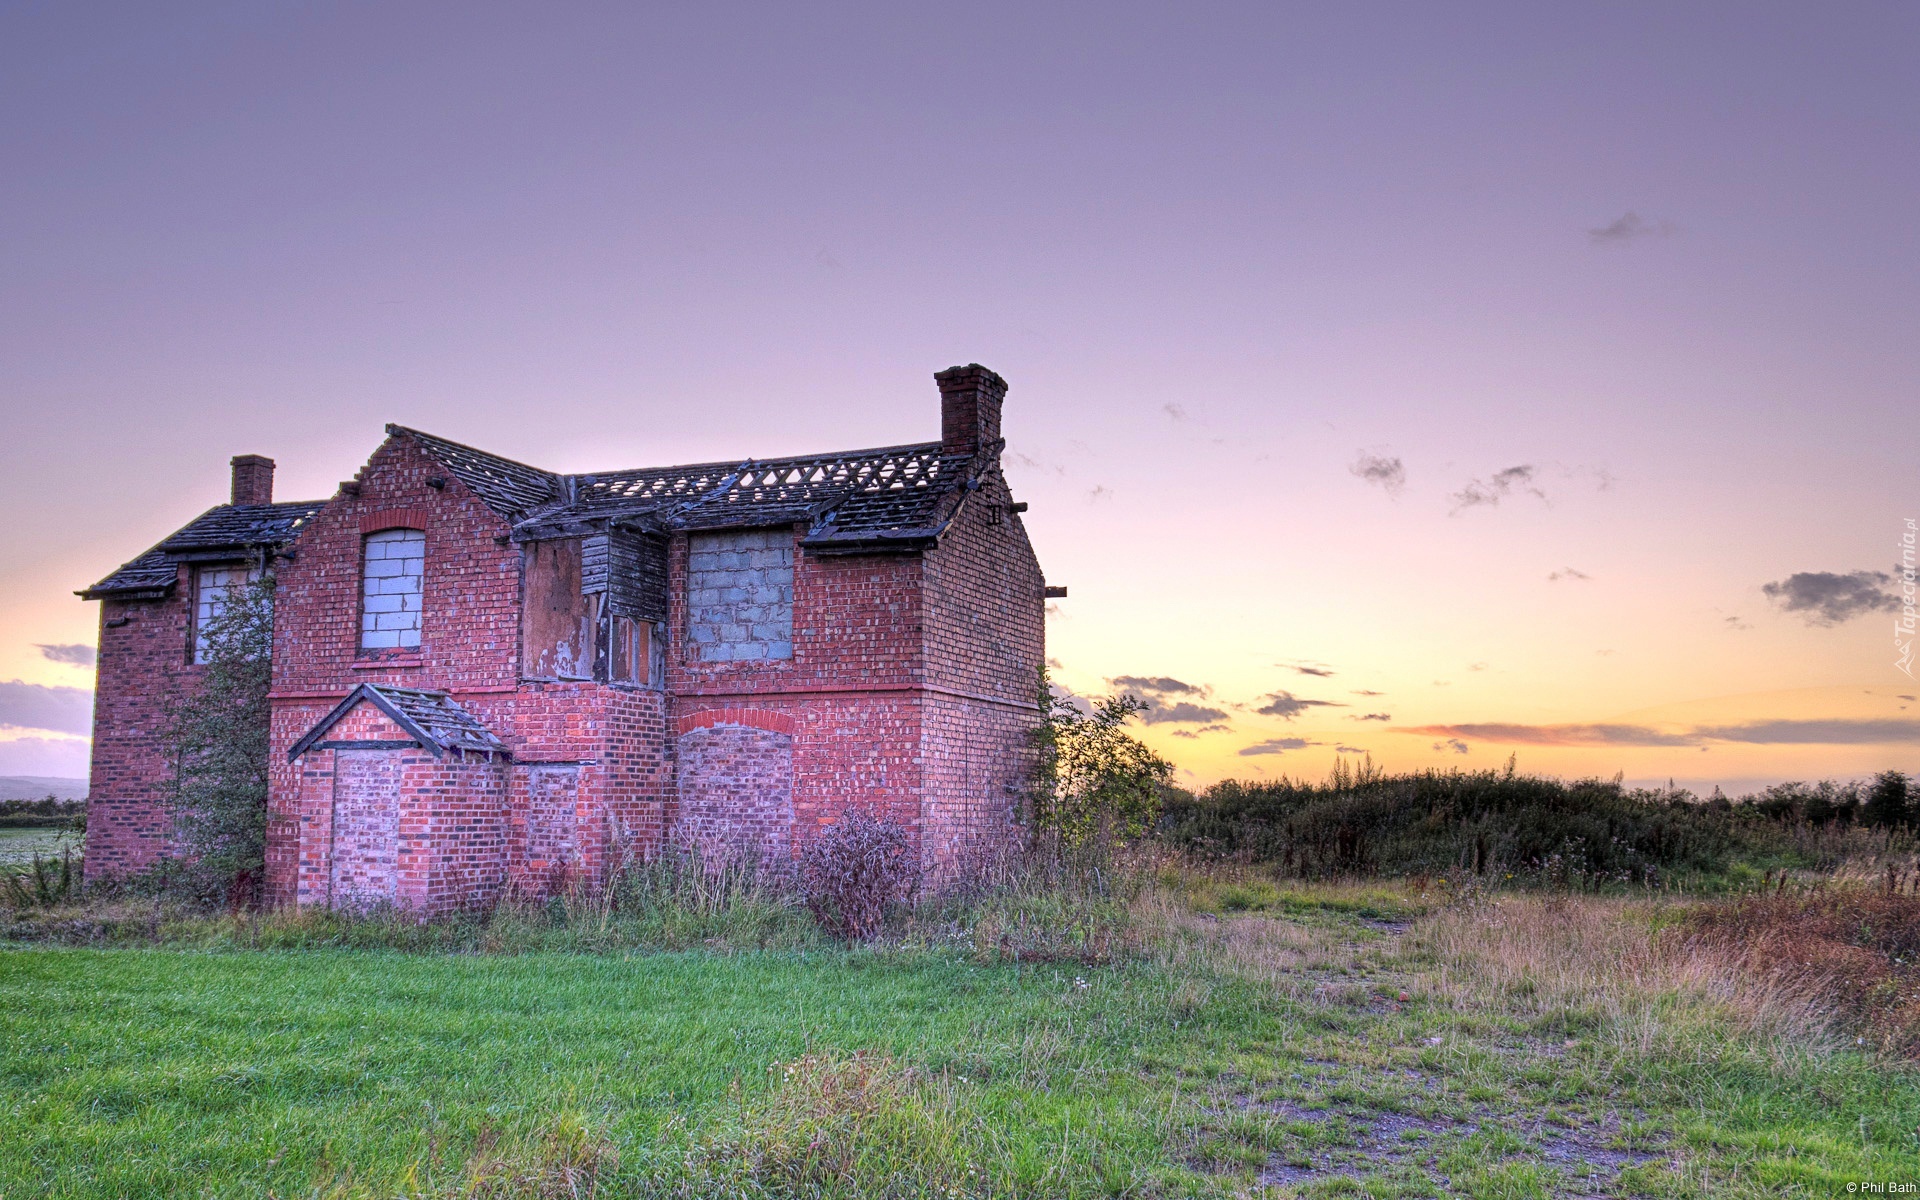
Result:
970,399
252,479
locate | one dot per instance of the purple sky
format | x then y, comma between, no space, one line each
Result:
1663,259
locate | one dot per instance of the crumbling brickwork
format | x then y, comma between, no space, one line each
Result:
567,671
736,790
142,661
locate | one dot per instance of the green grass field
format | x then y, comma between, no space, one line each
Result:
1256,1053
18,846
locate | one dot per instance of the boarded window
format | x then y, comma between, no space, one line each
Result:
391,585
740,595
632,651
211,587
559,625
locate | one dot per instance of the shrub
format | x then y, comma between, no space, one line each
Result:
218,735
853,870
1091,778
1888,800
1568,836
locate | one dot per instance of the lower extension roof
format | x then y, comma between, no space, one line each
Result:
225,532
431,718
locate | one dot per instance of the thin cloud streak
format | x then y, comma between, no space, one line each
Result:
1830,732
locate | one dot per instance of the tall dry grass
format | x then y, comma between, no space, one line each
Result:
1625,973
1854,951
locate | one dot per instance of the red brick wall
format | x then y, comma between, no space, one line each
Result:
425,833
142,660
986,639
470,628
850,693
736,792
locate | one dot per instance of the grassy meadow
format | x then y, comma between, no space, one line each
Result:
1480,986
1221,1034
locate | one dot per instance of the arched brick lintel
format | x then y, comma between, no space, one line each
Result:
393,518
753,718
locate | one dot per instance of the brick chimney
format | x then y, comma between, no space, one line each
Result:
252,479
970,399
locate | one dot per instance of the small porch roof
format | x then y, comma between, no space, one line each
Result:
431,718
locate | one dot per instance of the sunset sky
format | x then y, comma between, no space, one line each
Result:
1440,382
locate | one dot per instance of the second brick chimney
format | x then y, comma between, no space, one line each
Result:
970,398
252,479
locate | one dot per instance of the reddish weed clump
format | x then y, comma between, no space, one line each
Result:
1855,950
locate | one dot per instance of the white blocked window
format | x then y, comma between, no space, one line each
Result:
390,589
740,595
211,587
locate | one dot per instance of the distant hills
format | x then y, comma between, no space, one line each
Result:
37,787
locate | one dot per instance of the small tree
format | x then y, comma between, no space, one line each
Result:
1091,775
1888,800
219,735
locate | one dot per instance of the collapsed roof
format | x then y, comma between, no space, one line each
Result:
891,498
855,501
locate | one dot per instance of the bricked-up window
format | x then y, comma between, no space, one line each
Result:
211,586
740,595
390,589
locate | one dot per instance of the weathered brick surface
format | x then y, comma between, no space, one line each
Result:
985,642
795,686
736,792
143,660
365,869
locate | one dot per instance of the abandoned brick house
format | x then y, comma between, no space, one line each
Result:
487,673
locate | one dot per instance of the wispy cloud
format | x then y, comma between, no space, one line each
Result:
1490,492
1388,474
1154,691
1174,412
1629,228
1453,744
1182,712
1277,746
1783,732
1157,685
1366,692
1569,573
1827,598
1837,732
1287,706
71,653
1371,717
37,706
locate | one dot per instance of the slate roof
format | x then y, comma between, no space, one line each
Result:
228,530
509,488
886,498
431,718
889,497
